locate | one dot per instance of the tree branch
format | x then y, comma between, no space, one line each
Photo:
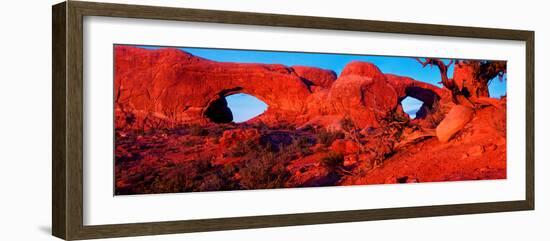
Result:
443,68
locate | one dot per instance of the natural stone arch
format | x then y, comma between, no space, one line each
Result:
429,98
183,92
169,87
218,111
431,95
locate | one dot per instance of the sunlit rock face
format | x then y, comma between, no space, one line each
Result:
167,87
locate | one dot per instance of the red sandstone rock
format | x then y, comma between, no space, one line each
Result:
164,88
315,76
175,86
344,146
454,121
167,87
363,94
427,93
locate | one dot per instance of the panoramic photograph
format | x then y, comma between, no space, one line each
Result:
203,119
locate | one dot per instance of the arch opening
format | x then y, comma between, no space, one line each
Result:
234,107
411,106
419,102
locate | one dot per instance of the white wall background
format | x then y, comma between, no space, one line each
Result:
25,123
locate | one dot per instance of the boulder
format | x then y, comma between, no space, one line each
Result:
453,122
362,94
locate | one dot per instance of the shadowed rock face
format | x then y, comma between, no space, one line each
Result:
218,111
166,87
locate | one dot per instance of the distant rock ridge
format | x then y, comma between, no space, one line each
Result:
162,88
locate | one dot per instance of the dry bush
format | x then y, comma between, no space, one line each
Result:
333,161
242,148
190,176
326,137
436,115
263,172
197,130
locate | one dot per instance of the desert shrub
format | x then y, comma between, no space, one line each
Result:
326,137
303,141
307,127
129,118
276,140
347,124
263,172
243,148
188,143
261,126
300,146
201,165
176,179
333,160
197,130
139,132
183,177
211,182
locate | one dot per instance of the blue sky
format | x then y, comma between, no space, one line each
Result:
406,66
244,107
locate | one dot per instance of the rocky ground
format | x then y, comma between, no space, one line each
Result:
233,156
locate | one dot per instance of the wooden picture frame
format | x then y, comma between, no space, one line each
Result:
67,152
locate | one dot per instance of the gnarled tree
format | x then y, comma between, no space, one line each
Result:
471,78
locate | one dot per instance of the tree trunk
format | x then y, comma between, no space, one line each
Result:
466,77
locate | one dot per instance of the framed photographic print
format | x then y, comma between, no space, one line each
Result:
170,120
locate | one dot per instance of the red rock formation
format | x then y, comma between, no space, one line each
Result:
319,129
427,93
171,86
167,87
315,77
436,101
363,94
